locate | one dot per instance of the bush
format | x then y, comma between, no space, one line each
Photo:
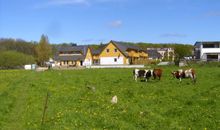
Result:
13,59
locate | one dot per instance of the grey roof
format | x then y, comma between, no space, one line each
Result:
69,58
96,52
153,54
123,47
160,49
81,48
99,50
206,42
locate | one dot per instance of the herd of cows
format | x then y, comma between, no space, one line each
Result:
157,73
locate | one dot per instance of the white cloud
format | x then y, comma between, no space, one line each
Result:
116,24
51,3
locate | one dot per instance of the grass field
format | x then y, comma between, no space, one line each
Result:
72,104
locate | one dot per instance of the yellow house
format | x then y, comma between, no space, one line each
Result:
119,53
73,56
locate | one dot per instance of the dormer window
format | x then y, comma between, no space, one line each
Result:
107,50
116,50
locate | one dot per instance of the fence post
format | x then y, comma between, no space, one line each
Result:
45,108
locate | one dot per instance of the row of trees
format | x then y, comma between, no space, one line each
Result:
181,50
15,53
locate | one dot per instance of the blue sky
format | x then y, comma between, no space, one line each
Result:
95,21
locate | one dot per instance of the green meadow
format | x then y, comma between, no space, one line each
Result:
81,99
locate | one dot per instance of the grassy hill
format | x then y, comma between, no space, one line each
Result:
80,99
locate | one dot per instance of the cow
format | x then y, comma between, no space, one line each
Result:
146,74
157,73
188,73
137,73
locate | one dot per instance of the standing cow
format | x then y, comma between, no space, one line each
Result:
188,73
157,73
146,74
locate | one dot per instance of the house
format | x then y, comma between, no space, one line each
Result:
96,53
166,53
207,50
154,55
119,53
73,55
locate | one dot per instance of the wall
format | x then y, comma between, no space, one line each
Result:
107,58
110,60
88,59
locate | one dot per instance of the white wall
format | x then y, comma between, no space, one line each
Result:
87,62
110,61
205,51
210,50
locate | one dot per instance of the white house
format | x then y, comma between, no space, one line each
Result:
207,51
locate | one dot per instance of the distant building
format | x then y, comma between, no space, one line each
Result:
112,53
207,51
73,56
119,53
154,55
166,53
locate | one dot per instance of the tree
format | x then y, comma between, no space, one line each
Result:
13,59
182,50
43,50
18,45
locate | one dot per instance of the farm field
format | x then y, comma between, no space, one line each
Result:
80,99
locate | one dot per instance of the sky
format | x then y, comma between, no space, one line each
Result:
96,21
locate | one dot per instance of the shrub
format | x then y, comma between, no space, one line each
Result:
13,59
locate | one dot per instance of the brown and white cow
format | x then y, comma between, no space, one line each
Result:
188,73
146,74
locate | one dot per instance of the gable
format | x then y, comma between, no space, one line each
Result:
88,54
111,51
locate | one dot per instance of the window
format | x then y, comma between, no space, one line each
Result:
115,59
212,57
107,50
116,50
210,45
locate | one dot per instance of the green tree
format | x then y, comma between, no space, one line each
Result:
18,45
182,50
13,59
43,50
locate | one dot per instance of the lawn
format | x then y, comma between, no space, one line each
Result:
80,99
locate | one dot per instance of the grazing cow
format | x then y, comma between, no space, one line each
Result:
180,74
157,73
137,73
146,74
